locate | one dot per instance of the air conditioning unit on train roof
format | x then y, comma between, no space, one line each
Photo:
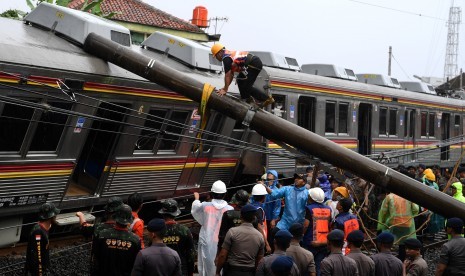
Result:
275,60
377,79
329,70
185,50
76,25
418,86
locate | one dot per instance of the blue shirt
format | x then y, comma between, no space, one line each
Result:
294,211
341,219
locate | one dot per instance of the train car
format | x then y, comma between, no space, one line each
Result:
369,119
76,130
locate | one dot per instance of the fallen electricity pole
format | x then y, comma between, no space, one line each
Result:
277,129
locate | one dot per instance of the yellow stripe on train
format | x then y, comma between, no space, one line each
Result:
34,174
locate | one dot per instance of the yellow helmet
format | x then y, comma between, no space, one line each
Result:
216,48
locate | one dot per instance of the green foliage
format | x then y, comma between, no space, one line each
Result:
14,14
32,4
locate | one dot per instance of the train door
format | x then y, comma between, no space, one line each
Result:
409,132
364,129
445,135
306,112
97,150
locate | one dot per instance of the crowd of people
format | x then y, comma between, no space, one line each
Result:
314,226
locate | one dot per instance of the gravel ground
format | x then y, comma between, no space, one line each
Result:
71,260
74,261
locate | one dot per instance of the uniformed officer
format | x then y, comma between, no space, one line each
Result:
178,237
157,259
37,254
365,264
93,230
232,218
243,247
336,264
414,264
386,264
116,248
282,241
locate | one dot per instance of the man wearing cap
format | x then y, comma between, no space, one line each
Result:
365,264
116,249
37,254
158,259
178,237
243,247
303,258
452,256
232,218
316,226
414,264
282,241
208,215
336,264
295,197
284,266
385,263
88,229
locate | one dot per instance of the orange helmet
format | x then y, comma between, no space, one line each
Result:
216,48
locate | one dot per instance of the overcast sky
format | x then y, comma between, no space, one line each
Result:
350,33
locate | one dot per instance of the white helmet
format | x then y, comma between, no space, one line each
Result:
219,187
259,189
317,194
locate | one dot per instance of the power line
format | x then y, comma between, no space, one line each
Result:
398,10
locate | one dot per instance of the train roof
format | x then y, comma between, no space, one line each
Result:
26,45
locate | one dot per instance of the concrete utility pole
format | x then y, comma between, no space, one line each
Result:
276,128
389,61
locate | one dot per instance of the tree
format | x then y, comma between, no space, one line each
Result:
14,14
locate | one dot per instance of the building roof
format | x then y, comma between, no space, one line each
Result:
136,11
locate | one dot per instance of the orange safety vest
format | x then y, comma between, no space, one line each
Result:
265,229
321,219
239,59
349,226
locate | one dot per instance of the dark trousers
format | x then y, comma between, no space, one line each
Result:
319,253
245,82
230,270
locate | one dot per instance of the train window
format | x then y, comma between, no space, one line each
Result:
170,141
412,124
50,128
431,125
424,118
215,127
456,125
14,122
278,108
405,123
343,118
237,133
152,125
330,124
392,122
382,121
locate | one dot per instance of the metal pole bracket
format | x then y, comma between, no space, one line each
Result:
248,117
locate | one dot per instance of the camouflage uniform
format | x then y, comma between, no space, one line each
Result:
179,238
115,251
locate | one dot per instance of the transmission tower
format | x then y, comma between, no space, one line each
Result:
452,47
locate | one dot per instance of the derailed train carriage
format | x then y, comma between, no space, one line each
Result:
76,130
